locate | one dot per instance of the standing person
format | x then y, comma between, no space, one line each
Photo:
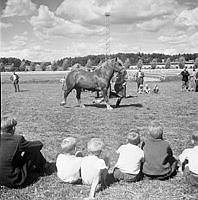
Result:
192,80
189,162
19,157
185,79
196,81
139,76
120,86
15,80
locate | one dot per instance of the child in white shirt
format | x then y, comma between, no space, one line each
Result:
68,165
189,161
147,89
93,169
128,166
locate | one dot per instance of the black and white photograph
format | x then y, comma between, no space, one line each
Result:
99,99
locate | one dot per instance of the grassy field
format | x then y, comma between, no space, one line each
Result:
40,116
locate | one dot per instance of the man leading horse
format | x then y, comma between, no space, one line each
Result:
98,80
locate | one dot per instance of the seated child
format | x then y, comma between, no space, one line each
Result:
189,161
20,158
141,88
128,166
68,165
93,169
156,89
147,89
159,162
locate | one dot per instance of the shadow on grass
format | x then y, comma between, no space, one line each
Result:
24,90
113,106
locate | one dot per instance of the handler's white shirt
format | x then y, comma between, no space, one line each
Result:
130,158
90,167
68,167
191,155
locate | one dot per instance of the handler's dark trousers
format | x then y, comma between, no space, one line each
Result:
16,86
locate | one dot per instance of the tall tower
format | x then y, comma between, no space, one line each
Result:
107,24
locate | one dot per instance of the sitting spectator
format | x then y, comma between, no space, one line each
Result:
147,89
68,165
94,170
156,89
128,166
140,89
159,161
189,161
19,157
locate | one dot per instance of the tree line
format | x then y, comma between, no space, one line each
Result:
128,59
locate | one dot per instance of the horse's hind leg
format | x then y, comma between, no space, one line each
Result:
78,93
66,93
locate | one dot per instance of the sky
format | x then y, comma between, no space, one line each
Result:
48,30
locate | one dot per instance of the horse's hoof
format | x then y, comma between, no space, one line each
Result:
82,106
110,108
62,103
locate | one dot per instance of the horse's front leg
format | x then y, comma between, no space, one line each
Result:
78,93
106,99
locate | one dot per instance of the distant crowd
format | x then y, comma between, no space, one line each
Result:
148,158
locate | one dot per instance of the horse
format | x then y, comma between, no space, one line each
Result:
97,80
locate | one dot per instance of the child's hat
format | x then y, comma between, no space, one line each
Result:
133,137
95,144
68,144
155,130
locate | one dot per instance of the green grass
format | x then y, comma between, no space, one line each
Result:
40,116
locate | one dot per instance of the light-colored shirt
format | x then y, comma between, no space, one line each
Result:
191,155
68,167
90,168
130,158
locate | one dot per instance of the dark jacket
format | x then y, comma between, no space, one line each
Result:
13,172
158,157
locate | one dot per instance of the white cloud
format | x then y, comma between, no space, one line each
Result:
46,24
152,25
19,40
188,18
5,25
125,11
19,8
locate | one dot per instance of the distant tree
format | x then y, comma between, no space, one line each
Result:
168,63
22,67
32,66
140,63
54,66
196,63
182,62
43,66
154,63
127,63
89,63
2,67
66,64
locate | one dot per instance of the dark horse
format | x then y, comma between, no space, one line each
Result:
98,80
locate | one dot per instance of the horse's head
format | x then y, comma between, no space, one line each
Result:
117,64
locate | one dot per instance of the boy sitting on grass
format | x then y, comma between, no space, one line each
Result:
189,161
128,166
159,162
94,170
68,164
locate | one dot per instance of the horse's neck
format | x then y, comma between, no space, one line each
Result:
107,71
